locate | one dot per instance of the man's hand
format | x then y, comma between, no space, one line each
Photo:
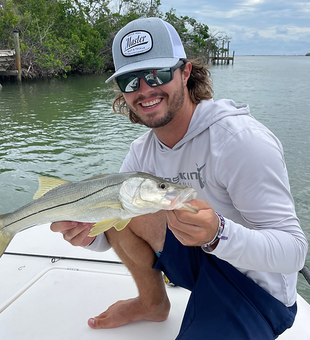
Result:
74,232
193,229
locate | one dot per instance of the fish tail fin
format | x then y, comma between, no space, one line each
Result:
4,240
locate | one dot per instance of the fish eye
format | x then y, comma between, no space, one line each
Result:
163,186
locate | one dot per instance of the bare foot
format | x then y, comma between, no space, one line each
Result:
125,311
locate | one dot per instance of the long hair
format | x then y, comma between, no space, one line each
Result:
199,86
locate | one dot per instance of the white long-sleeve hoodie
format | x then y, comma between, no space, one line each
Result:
237,166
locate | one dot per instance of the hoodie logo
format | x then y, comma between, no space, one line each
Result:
201,181
135,43
187,178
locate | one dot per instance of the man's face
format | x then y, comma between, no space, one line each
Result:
157,106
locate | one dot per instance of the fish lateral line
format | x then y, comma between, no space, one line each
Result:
61,205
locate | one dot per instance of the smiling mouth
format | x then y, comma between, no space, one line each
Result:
151,103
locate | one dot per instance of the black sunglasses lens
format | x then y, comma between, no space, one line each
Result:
157,77
128,83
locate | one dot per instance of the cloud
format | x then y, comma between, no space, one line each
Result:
281,30
255,26
257,44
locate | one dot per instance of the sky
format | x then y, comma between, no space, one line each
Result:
256,27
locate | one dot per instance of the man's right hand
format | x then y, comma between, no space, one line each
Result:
74,232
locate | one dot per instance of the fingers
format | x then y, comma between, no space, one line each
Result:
193,229
188,217
78,236
63,226
75,233
187,234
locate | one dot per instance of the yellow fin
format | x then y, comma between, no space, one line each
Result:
114,205
103,226
46,184
122,224
4,242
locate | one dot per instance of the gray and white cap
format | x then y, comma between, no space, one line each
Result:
146,43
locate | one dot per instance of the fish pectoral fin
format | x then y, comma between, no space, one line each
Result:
46,184
122,224
114,205
103,226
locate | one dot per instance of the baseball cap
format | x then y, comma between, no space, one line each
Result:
146,43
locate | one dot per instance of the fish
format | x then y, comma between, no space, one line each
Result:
106,201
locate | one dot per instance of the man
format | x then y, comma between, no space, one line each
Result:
241,253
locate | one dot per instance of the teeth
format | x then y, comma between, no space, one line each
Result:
152,103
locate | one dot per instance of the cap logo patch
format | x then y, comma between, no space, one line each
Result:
136,42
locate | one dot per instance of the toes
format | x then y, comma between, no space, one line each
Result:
97,323
92,323
101,321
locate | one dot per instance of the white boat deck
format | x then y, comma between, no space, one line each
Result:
41,298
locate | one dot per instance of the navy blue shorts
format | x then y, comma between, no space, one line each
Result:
224,303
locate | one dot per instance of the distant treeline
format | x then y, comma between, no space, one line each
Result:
59,37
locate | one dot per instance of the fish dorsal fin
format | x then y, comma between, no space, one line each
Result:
46,184
103,226
95,177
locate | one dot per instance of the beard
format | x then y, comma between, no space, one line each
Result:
174,105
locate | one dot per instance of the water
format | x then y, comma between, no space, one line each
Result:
61,128
66,128
277,90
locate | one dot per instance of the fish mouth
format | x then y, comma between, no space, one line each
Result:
184,196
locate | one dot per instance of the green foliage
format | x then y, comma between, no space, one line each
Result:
192,33
62,36
9,20
52,36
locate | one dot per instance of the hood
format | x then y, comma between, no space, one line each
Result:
207,113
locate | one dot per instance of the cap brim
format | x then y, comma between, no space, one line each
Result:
144,65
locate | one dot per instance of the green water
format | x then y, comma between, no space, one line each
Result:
66,128
61,128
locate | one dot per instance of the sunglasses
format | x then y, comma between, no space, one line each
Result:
130,82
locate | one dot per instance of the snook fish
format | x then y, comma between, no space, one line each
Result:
107,200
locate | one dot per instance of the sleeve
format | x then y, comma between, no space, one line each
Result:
253,171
